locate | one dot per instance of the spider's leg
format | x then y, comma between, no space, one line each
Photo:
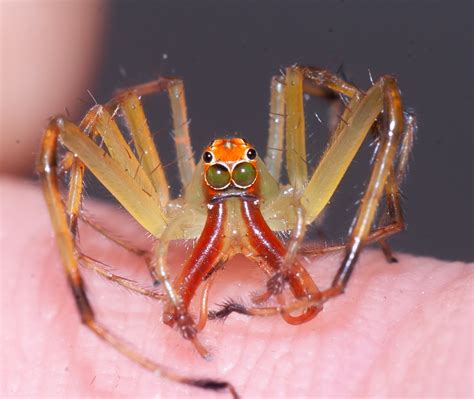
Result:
76,167
276,130
295,140
131,107
47,169
283,270
146,254
182,140
131,188
128,246
293,88
392,220
119,171
128,101
100,123
105,129
290,93
383,96
102,270
313,81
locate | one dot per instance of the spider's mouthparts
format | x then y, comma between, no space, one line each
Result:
233,193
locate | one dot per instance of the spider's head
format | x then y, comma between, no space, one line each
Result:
230,164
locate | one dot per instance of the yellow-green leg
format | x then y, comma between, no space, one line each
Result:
47,169
276,128
127,101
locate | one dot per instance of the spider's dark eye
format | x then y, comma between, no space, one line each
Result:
251,153
207,157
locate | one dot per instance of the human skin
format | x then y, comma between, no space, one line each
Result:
49,51
401,329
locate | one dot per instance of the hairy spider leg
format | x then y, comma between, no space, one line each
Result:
318,82
276,129
387,99
89,127
117,172
279,117
293,88
392,220
127,99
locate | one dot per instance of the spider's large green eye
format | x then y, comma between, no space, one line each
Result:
244,174
218,176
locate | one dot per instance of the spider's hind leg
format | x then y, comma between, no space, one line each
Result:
382,176
392,220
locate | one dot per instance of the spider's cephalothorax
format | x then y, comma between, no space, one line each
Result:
232,202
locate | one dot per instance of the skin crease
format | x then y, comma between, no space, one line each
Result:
402,329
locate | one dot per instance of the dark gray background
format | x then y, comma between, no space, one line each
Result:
227,52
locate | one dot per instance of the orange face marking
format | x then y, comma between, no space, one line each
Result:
230,164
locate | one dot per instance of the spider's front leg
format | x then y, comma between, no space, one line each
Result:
119,171
65,237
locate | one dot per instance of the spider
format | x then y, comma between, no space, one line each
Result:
232,201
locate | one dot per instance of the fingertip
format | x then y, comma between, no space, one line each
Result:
50,51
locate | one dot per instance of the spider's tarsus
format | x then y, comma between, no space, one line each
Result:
214,386
226,309
210,384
